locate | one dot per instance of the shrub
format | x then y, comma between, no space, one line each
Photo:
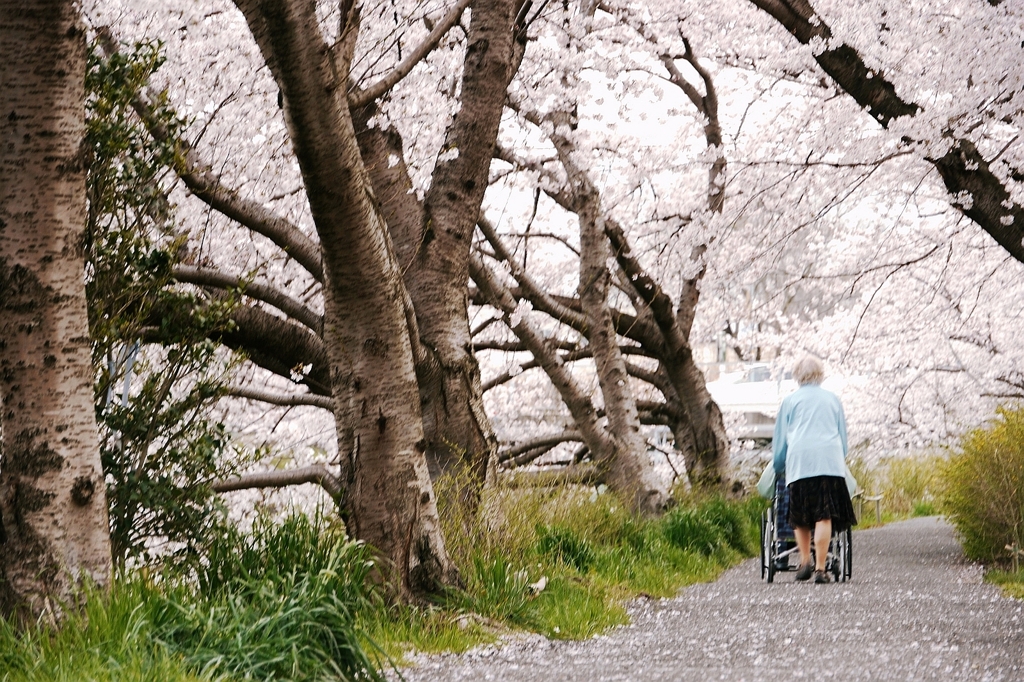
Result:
733,521
983,487
278,603
925,509
158,375
910,484
713,524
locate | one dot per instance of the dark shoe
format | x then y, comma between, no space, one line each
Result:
782,564
804,572
821,577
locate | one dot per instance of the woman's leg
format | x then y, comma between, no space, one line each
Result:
822,535
803,544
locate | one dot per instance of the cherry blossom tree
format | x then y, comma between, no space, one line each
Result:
394,301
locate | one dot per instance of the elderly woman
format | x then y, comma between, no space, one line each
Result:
810,447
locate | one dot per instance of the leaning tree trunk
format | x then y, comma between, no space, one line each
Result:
457,430
459,433
53,513
629,471
698,428
390,500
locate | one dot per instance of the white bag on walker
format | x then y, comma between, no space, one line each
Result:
766,484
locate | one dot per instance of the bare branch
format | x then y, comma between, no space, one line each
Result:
285,400
580,406
530,289
360,98
261,292
520,347
286,348
316,473
649,290
580,354
547,442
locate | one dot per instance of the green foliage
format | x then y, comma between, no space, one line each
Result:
400,628
495,589
983,487
909,485
159,450
292,600
569,609
1011,582
924,509
691,530
253,614
868,478
159,454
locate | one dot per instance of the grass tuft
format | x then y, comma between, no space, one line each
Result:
559,543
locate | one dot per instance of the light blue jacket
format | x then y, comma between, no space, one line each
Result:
810,435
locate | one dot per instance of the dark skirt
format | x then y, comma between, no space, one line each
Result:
819,498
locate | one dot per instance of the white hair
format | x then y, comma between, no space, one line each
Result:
809,370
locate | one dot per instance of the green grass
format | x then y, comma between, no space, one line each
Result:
400,629
573,608
292,600
112,638
593,553
1012,583
279,603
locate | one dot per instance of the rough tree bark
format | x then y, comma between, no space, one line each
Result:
437,275
373,382
630,470
456,427
699,429
700,432
433,240
53,512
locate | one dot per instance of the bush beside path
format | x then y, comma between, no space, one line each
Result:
915,610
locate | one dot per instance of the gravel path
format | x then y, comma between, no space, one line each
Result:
914,610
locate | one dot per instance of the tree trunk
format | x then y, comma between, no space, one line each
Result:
700,430
701,435
53,512
459,432
456,427
433,238
630,470
373,381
